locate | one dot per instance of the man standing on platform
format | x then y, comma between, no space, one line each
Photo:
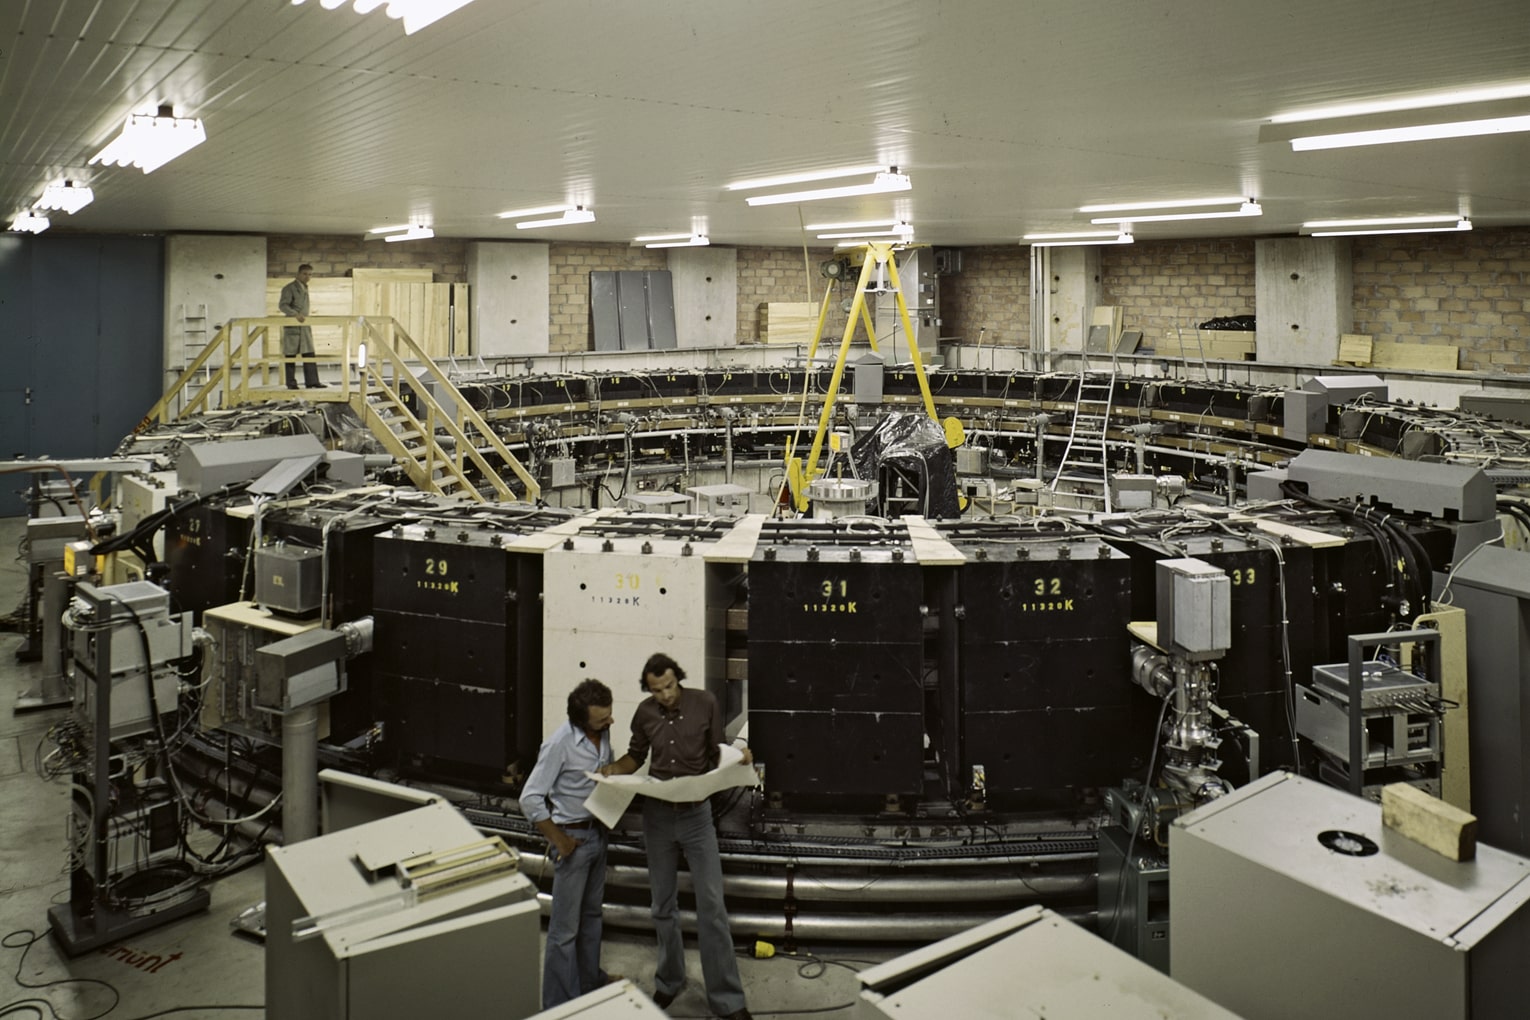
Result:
553,800
683,728
298,340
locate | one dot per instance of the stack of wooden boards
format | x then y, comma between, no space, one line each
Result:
788,322
435,315
1208,344
1361,351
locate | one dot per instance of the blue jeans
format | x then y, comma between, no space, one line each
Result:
668,830
572,964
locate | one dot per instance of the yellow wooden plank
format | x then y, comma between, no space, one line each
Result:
381,276
462,337
1429,821
1355,348
1427,357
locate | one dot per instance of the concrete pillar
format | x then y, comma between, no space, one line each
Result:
705,284
1070,291
509,284
1304,298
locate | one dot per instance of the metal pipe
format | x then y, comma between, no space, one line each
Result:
808,927
300,773
873,888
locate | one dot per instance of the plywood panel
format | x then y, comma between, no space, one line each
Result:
1421,357
327,295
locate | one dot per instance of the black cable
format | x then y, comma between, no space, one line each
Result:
30,939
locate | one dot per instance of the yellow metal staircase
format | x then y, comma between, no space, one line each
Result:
406,400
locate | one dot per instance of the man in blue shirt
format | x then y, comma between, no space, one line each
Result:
553,800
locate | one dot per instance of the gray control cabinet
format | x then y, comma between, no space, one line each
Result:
1274,920
468,951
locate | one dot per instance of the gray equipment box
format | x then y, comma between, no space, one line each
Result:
1306,409
1458,491
47,536
205,467
288,579
1194,608
1031,963
469,950
299,670
1275,916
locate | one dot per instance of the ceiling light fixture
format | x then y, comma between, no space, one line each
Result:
855,225
885,182
1454,115
68,196
903,230
1122,238
29,223
1190,203
1414,133
536,210
805,177
414,233
693,241
390,229
1412,225
149,141
578,214
1073,235
1249,208
416,14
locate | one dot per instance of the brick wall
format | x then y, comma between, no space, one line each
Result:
1161,285
991,296
1470,289
781,274
569,268
337,255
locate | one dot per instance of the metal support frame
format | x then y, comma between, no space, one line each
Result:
1359,644
877,260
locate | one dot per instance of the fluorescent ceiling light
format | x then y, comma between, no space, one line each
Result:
68,196
415,233
1122,238
864,240
661,237
904,230
857,225
1456,115
1191,203
578,214
149,141
390,229
694,241
1488,94
1246,209
30,223
1392,221
1462,224
1416,133
416,14
803,178
536,210
883,183
1073,235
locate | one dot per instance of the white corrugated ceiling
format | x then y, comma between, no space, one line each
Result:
1007,114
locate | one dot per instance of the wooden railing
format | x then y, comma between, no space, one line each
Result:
372,367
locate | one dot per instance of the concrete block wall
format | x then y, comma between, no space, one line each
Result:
337,255
1164,285
781,274
991,295
569,268
1470,289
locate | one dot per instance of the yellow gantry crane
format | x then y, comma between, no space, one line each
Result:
879,274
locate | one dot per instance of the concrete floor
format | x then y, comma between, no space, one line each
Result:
206,970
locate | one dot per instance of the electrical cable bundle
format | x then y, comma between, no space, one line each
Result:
1396,544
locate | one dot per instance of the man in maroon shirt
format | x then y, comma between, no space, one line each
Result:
682,729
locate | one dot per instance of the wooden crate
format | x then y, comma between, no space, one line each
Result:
1212,344
788,322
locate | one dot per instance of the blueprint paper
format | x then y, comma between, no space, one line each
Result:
613,794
